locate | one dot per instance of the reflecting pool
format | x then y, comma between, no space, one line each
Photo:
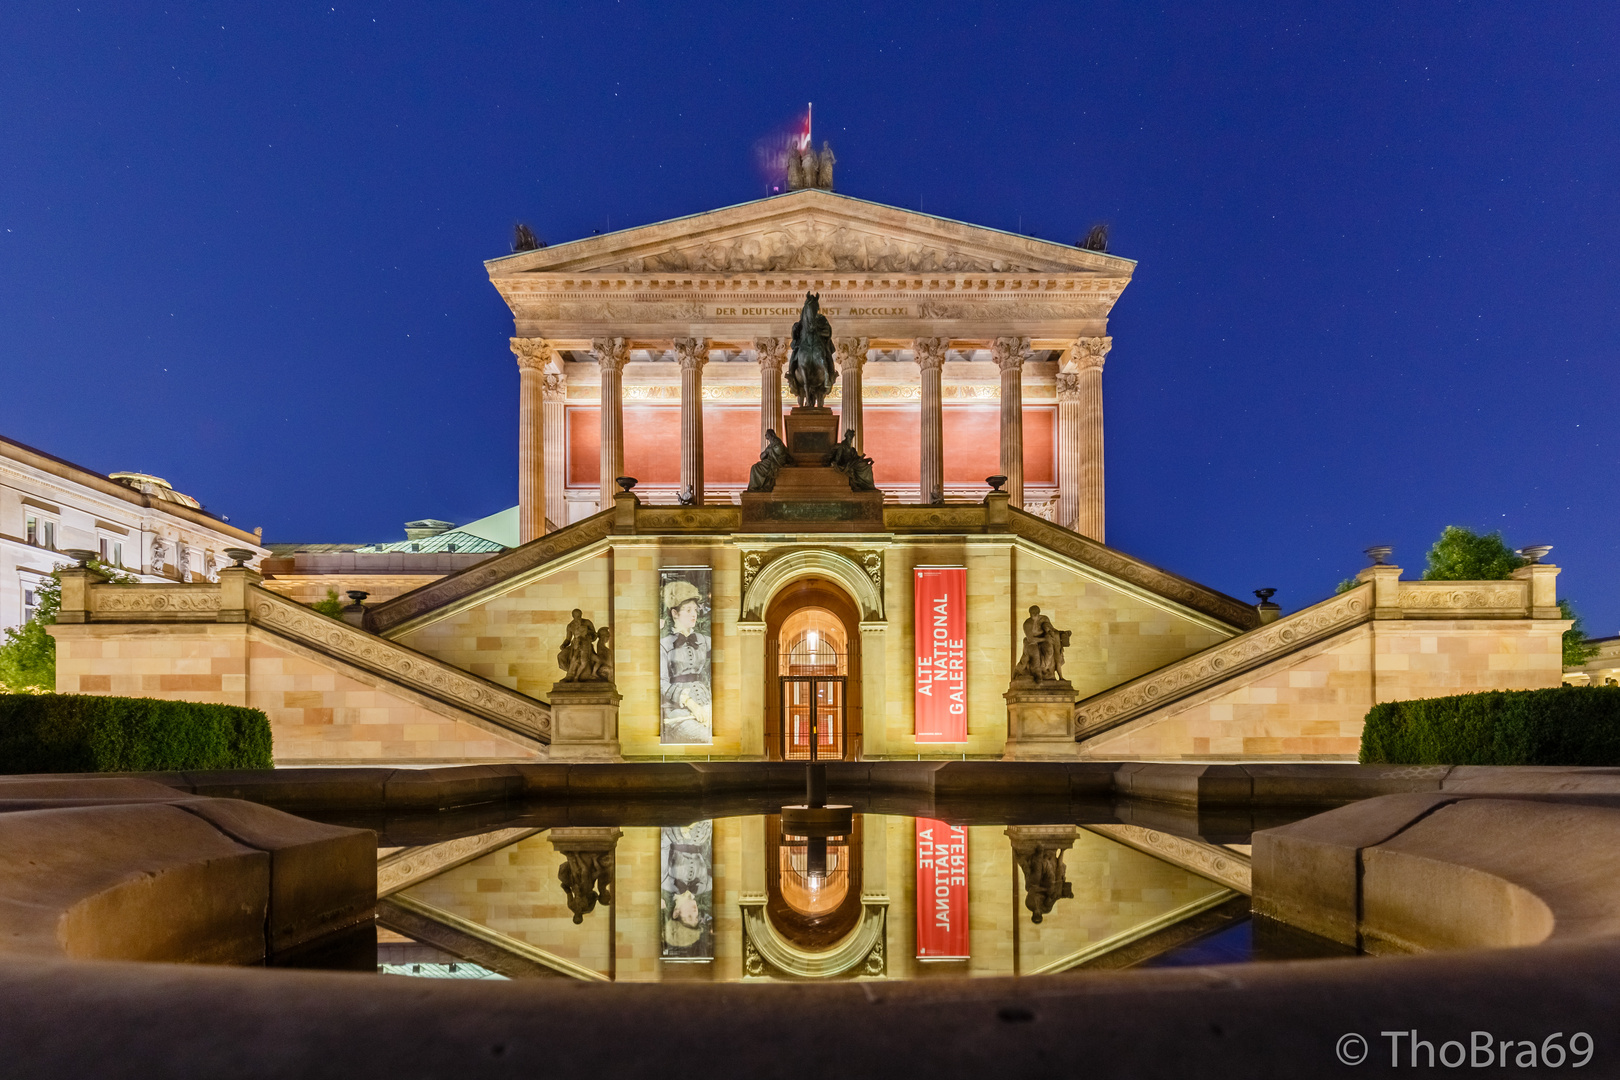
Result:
733,898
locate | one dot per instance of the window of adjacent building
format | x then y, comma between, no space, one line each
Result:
41,532
33,529
48,531
30,597
112,552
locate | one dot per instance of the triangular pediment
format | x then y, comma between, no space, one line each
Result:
811,230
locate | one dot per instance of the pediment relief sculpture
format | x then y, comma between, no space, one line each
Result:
814,245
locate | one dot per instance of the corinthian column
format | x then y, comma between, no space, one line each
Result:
772,354
849,354
533,354
611,355
931,466
1068,448
692,354
556,394
1009,354
1086,356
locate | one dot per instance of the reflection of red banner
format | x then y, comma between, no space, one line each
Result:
941,647
942,891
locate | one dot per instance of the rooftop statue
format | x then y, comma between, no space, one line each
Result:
810,369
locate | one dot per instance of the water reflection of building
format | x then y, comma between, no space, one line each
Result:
1125,905
656,353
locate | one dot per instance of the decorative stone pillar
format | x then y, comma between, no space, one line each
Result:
1009,354
1086,358
772,353
692,354
849,354
931,466
556,395
611,355
533,354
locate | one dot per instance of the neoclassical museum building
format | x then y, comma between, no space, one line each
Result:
674,596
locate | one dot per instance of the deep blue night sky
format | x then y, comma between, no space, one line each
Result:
1378,251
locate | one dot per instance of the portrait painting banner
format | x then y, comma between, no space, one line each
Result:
940,630
942,891
686,891
686,694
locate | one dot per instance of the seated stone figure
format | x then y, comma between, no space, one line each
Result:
852,463
762,477
1042,657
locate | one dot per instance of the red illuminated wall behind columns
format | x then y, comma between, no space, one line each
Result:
652,443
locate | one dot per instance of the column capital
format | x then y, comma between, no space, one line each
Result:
1068,386
532,353
849,353
1088,352
930,352
556,386
771,351
691,353
1009,353
611,353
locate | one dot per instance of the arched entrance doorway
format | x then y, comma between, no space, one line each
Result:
812,673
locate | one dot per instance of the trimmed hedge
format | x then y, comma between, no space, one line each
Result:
1568,725
47,733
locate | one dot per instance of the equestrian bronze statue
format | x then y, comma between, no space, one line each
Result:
810,370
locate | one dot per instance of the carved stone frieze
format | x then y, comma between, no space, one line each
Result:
1220,865
155,599
954,519
673,519
406,867
1175,681
1434,596
506,708
555,387
1008,312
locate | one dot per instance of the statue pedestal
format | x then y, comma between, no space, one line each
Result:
810,496
584,722
1040,721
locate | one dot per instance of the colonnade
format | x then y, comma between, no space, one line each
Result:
1079,429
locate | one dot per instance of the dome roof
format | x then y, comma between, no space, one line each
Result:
154,487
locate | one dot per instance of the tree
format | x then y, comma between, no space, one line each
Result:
1577,649
1464,555
330,606
28,653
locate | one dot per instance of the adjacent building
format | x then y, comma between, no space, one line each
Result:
133,521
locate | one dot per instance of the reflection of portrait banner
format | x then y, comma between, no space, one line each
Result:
942,891
686,697
686,891
941,648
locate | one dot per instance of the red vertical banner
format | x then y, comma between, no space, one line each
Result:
942,891
940,593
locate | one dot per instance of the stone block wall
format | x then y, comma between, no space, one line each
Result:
1309,705
320,711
